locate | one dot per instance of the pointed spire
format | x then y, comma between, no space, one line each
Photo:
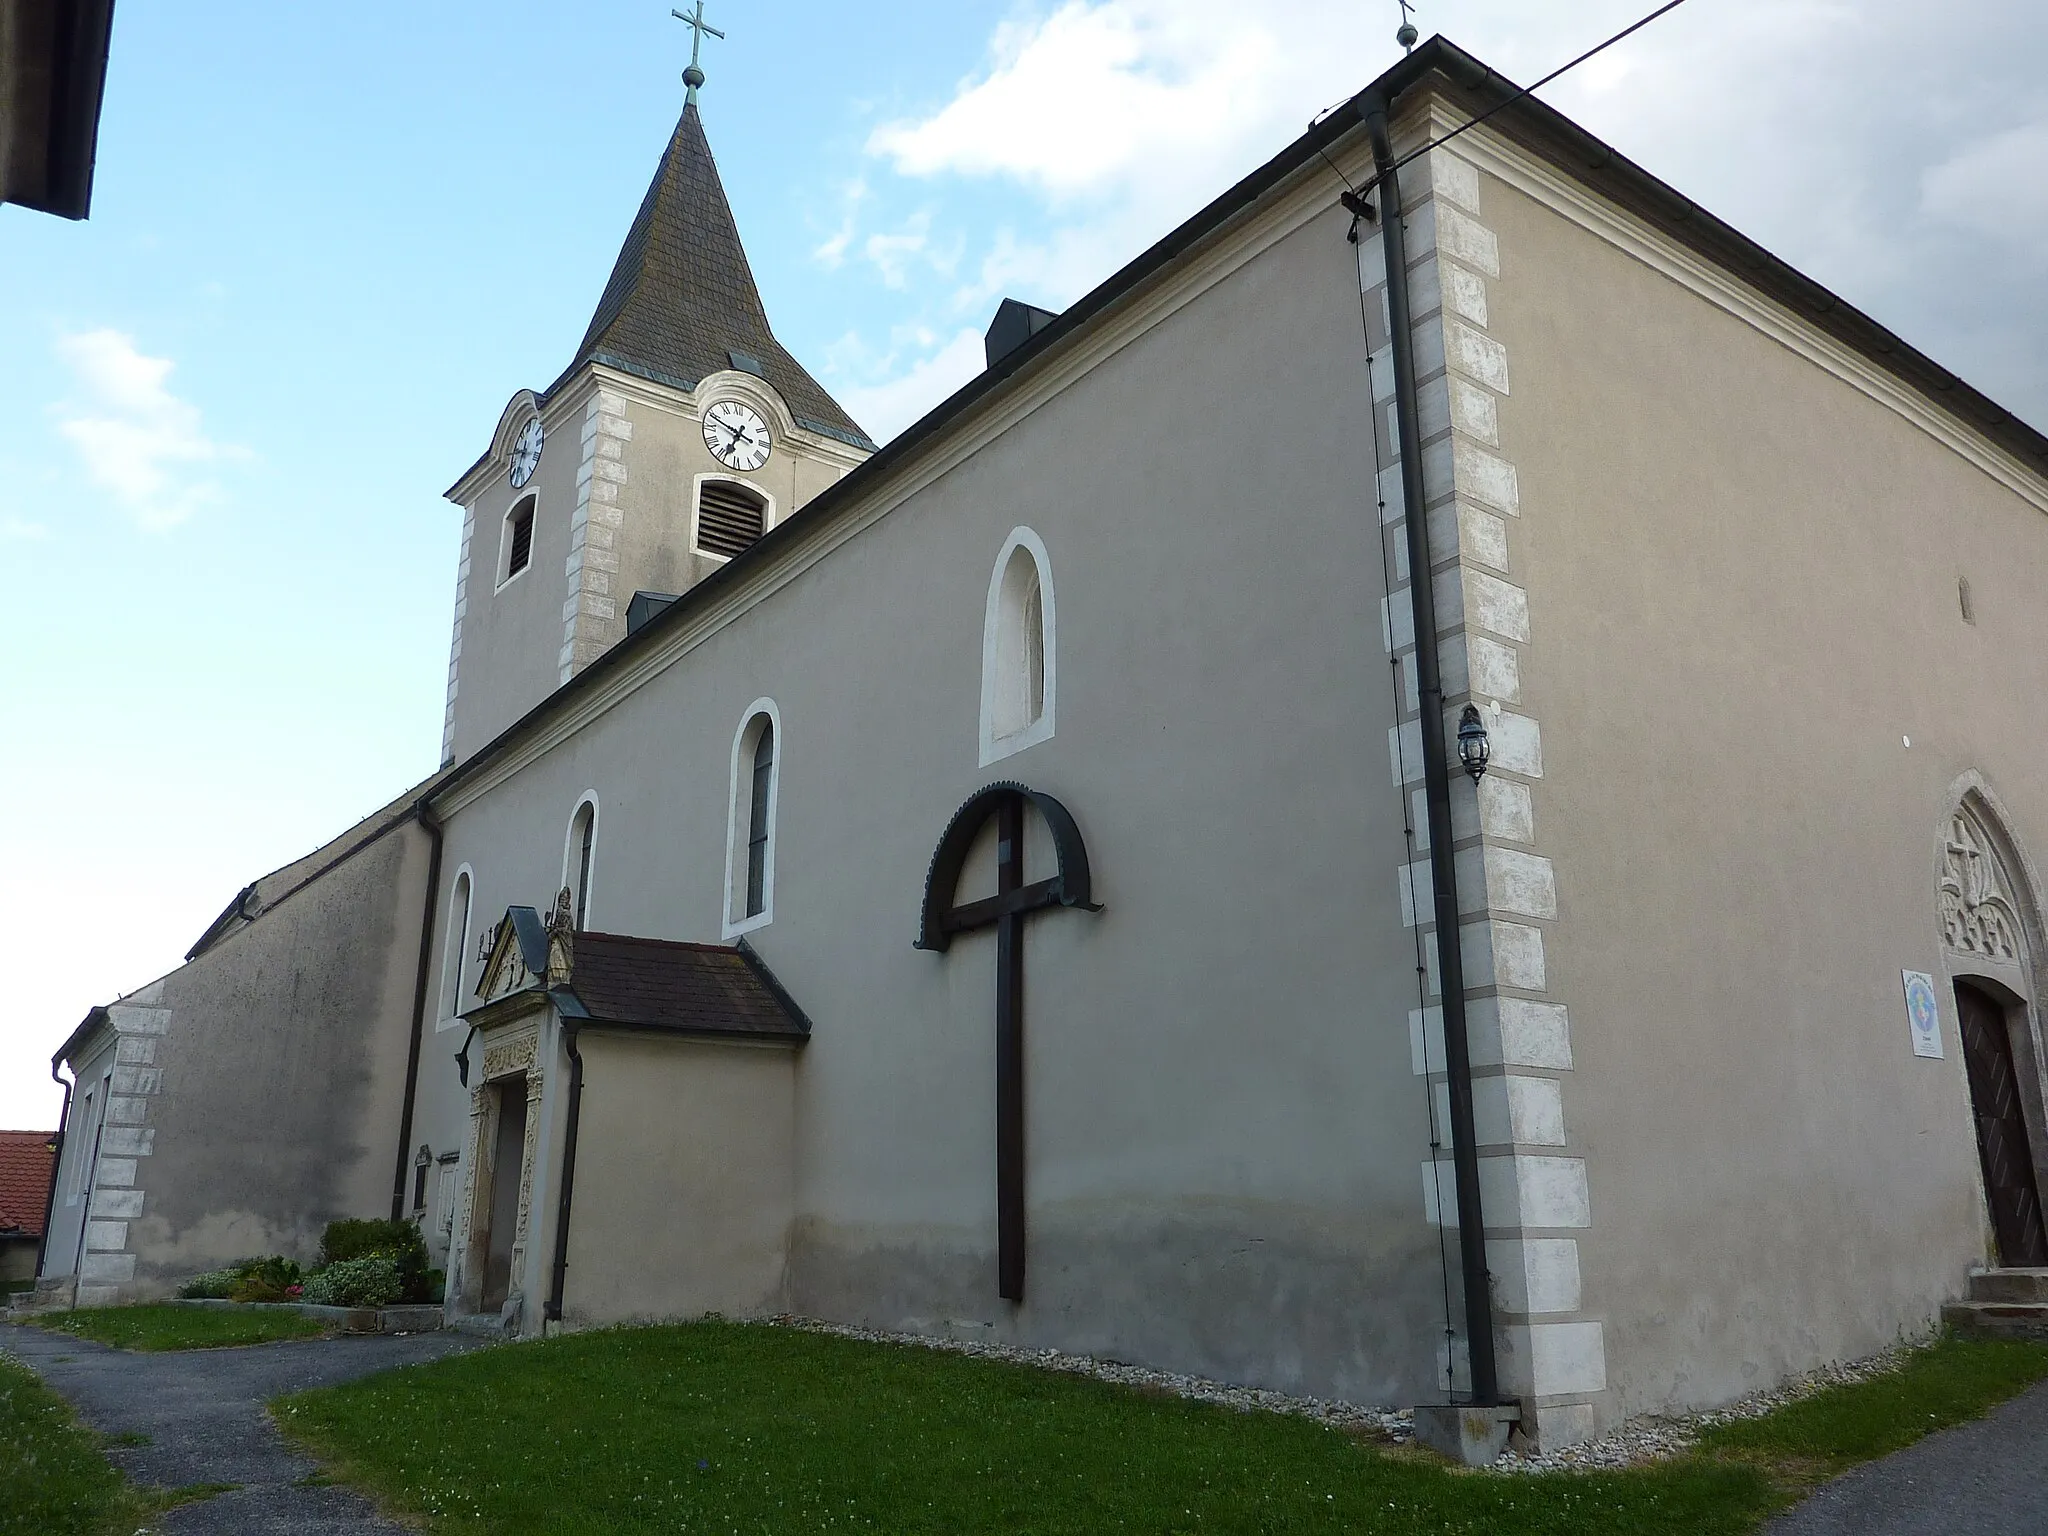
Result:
681,303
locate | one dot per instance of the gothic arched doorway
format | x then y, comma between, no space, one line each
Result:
1986,933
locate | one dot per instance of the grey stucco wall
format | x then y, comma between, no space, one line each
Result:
1758,696
614,499
259,1087
1225,1132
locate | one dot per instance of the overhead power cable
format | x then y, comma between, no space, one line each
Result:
1527,90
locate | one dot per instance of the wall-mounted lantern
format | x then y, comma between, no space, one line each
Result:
1472,745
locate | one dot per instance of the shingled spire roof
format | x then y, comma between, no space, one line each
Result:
682,304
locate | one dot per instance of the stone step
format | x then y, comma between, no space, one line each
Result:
2009,1285
1998,1319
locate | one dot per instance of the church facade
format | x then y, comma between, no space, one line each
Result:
1020,882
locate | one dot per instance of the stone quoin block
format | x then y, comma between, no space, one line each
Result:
1534,1274
1476,355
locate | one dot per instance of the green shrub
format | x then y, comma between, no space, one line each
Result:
367,1282
399,1241
214,1285
265,1279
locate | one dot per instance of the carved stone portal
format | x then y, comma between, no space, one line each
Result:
1978,913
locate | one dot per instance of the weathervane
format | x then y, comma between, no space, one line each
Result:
1405,36
693,76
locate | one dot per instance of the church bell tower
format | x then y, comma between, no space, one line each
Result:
679,434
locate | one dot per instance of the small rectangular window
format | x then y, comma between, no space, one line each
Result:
522,540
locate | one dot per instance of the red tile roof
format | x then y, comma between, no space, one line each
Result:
24,1180
692,989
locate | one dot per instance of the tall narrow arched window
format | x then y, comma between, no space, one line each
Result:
750,830
579,855
455,949
1019,666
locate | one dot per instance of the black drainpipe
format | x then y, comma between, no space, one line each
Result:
427,820
56,1162
554,1307
1436,778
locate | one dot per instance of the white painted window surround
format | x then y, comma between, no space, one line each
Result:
579,857
530,505
455,948
1019,650
761,716
768,517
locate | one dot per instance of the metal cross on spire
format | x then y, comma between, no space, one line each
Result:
694,76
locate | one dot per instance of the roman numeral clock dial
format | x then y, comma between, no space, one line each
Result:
526,453
737,436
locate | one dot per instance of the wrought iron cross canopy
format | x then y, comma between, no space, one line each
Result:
1006,911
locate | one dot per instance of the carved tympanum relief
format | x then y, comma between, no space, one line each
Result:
1978,915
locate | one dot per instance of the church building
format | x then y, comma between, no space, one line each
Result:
1422,797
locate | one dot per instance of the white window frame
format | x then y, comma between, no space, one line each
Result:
455,949
507,577
739,801
697,502
569,852
998,626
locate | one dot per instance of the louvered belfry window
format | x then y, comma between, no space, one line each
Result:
521,550
729,517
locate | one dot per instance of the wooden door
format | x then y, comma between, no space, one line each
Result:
2002,1141
509,1152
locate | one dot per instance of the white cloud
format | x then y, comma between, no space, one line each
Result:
1119,118
20,530
1996,187
892,254
1095,93
831,252
138,440
886,408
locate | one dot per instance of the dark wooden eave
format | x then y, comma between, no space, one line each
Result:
53,72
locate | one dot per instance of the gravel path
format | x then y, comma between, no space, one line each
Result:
1987,1478
202,1410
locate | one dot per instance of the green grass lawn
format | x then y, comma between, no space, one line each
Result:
168,1327
1811,1440
53,1479
716,1426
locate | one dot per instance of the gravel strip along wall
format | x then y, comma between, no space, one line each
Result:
1639,1441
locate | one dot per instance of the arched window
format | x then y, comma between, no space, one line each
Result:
730,517
750,834
577,854
516,546
455,949
1019,667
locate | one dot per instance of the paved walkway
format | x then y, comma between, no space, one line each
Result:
1986,1478
203,1412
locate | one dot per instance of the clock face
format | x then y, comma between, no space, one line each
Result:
526,452
736,436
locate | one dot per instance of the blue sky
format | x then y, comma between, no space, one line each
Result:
328,243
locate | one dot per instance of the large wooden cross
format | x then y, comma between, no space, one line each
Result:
1006,911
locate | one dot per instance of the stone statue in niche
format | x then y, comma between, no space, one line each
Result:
561,927
1977,912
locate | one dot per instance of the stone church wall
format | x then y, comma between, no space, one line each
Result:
257,1089
685,1180
1224,1129
1779,615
